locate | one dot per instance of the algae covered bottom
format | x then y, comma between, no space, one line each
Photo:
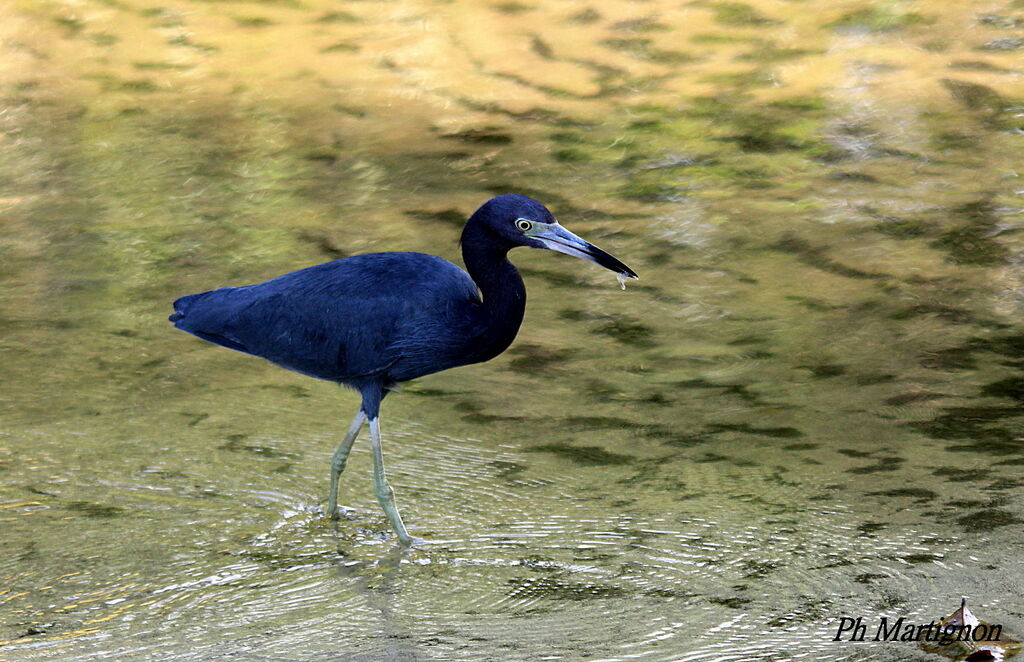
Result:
809,408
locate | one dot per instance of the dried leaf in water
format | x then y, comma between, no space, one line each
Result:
964,637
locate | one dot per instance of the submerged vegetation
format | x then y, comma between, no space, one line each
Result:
816,384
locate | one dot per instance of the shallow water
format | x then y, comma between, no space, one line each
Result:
809,406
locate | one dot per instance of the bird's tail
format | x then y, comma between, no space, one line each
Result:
208,315
204,310
182,305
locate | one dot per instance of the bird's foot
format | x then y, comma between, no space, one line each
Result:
340,512
414,541
405,542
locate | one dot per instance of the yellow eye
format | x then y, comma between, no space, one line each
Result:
523,224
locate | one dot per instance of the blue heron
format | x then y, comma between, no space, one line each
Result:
371,321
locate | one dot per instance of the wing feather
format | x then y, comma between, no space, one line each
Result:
339,320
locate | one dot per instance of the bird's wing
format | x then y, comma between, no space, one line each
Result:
338,320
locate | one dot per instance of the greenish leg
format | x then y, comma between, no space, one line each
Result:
338,461
385,495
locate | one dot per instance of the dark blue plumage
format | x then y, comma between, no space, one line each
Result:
371,321
372,315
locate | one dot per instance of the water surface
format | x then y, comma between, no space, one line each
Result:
808,407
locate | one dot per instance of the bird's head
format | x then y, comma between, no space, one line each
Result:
522,221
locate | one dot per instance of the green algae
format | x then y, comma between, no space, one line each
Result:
589,456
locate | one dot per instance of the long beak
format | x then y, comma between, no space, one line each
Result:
557,238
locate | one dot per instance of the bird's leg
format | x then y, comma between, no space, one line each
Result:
385,495
338,461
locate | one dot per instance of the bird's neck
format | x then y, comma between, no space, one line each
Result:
504,296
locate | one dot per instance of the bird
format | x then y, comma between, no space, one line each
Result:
374,320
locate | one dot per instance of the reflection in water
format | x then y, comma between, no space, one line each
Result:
809,407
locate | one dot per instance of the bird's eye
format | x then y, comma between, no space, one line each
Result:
523,224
